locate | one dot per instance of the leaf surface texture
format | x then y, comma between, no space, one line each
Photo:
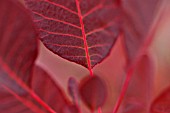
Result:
81,31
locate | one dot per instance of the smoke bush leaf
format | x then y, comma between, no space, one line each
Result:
93,92
81,31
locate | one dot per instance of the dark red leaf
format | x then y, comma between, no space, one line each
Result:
93,92
18,50
71,109
43,87
138,18
22,91
73,90
18,45
82,31
10,104
50,92
162,103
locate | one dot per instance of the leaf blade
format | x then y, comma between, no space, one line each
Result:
139,92
139,17
18,51
96,98
79,28
161,103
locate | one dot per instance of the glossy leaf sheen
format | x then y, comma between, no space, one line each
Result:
93,92
81,31
22,89
161,103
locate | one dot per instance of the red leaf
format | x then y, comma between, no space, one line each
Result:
93,92
10,104
73,90
49,93
18,45
138,18
138,30
139,93
20,91
162,103
82,31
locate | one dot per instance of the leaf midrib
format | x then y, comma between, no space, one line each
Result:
84,37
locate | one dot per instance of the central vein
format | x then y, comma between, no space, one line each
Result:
84,37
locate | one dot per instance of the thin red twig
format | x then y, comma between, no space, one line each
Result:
132,66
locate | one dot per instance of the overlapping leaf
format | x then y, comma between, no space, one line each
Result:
15,99
138,17
93,92
138,31
18,45
10,104
50,93
161,103
82,31
21,89
139,92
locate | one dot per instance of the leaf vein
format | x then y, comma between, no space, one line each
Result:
96,55
61,45
56,20
93,10
98,45
100,29
56,33
73,56
61,6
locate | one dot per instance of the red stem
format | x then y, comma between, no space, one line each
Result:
125,86
140,53
84,37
